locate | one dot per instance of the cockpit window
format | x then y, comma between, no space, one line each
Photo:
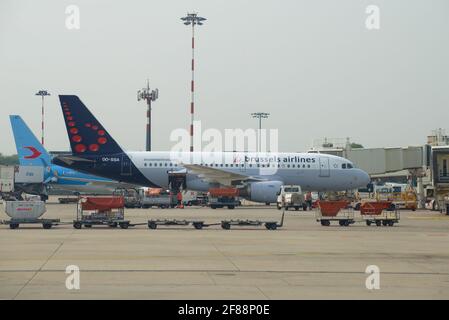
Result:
350,166
343,166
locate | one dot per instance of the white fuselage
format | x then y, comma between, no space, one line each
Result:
313,172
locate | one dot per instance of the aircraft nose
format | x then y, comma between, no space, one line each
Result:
364,178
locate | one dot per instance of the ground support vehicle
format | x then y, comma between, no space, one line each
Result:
290,196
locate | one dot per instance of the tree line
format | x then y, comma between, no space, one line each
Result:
9,160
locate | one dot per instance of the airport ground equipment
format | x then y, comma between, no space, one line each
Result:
223,197
101,211
197,224
402,196
67,200
270,225
194,198
446,205
133,198
380,213
337,210
402,199
291,196
157,197
16,180
27,212
437,197
7,179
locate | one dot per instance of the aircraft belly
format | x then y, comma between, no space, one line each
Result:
86,188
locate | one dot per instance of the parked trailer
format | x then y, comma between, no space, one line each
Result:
269,225
67,200
379,213
27,212
153,224
46,223
101,211
334,211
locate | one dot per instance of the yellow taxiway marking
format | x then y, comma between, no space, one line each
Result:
430,218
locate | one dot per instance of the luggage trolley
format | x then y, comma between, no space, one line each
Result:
101,211
334,211
269,225
379,213
153,224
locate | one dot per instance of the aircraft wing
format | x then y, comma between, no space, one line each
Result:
99,182
71,159
217,175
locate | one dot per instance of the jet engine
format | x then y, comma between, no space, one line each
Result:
264,191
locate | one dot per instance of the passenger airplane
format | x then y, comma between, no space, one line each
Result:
32,153
258,176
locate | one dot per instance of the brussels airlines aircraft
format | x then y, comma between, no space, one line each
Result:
32,153
257,175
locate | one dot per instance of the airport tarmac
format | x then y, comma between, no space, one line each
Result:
302,260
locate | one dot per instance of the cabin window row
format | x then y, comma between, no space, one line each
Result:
221,165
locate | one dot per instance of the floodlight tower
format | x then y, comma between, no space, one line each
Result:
192,19
43,93
148,96
260,116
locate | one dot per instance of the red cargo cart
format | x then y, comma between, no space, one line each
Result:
334,211
101,211
379,213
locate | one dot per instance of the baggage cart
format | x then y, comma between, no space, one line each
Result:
197,224
27,212
334,211
269,225
107,211
380,213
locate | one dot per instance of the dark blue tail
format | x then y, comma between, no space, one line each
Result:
87,136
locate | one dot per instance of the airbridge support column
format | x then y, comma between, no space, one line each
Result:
420,189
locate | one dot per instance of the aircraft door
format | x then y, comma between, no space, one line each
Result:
242,166
126,167
324,167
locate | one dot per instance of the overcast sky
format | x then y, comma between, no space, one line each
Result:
312,64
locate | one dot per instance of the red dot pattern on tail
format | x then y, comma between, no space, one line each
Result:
76,137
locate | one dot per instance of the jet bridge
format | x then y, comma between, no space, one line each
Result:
382,161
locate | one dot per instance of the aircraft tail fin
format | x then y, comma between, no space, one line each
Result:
30,151
87,136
